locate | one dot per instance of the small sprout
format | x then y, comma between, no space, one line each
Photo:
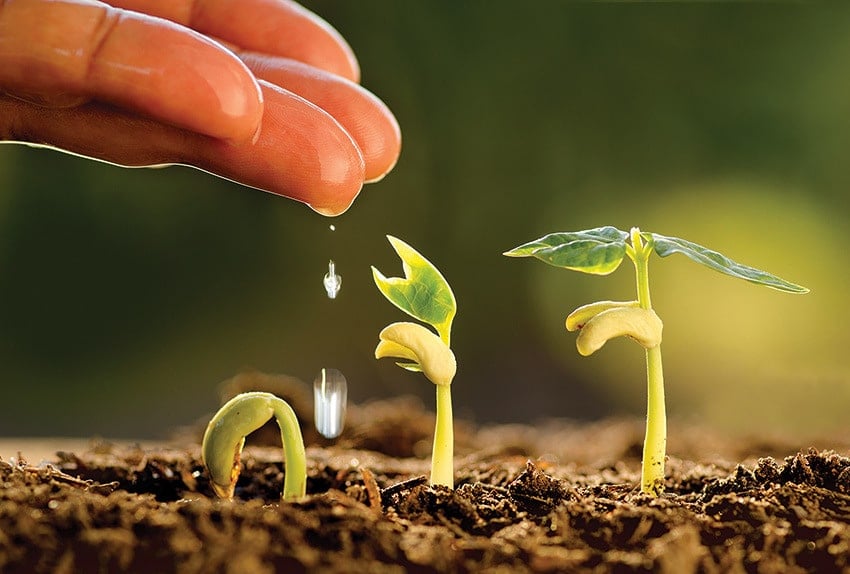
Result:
225,436
424,294
600,252
330,394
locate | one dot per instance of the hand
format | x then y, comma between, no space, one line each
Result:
262,92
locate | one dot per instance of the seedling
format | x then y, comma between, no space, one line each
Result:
424,294
225,436
599,252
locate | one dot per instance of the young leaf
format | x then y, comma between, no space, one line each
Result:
414,342
665,246
596,251
423,293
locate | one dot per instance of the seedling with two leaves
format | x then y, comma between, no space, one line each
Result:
424,294
599,252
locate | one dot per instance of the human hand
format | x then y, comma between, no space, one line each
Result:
150,82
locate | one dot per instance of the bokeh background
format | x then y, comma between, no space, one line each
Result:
127,296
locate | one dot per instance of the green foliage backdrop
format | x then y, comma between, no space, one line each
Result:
126,296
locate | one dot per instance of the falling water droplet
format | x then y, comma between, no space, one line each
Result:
330,394
332,227
332,281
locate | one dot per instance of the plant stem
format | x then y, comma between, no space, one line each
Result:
295,459
655,442
442,455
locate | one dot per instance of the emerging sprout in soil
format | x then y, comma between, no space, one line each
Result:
424,294
225,437
599,252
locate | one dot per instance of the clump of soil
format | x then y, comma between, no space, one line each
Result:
551,498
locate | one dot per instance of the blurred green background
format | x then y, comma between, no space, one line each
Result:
126,296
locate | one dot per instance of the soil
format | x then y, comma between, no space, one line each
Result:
555,497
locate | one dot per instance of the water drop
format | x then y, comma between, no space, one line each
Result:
332,281
332,227
330,394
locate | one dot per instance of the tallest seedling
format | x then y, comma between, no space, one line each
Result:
599,252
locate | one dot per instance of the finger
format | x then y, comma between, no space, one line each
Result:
301,149
50,49
275,27
364,116
301,152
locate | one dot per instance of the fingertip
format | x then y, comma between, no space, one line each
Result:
382,174
364,116
326,166
221,97
237,105
337,209
375,129
385,148
242,104
301,153
333,196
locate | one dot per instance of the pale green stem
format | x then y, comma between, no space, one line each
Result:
225,436
655,442
442,456
295,459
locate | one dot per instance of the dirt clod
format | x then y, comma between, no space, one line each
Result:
579,509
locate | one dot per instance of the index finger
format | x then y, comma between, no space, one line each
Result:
60,48
274,27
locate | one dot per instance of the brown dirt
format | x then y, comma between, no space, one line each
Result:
556,497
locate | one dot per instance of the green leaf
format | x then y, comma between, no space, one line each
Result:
665,246
423,293
596,251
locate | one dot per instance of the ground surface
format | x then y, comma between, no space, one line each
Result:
556,497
